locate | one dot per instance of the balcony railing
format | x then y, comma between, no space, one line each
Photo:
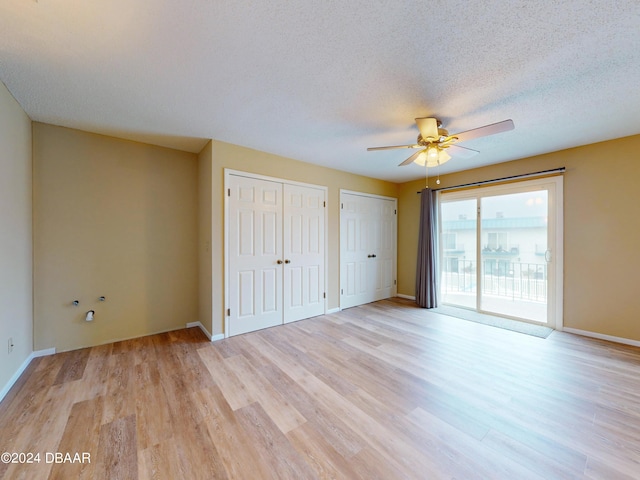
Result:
501,278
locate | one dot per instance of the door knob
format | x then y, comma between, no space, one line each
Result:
373,256
287,261
279,262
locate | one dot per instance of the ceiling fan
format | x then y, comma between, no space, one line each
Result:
435,143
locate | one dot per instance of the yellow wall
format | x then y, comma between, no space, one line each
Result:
115,218
225,155
601,231
205,260
16,317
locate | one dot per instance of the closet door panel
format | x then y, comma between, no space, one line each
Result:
354,245
255,246
303,252
385,250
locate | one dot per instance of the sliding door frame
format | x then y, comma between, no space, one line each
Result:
554,185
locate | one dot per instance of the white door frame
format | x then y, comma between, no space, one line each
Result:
227,173
394,291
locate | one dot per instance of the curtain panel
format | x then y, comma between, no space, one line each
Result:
426,269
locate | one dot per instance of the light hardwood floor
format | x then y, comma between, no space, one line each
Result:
381,391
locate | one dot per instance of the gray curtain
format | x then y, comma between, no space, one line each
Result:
426,270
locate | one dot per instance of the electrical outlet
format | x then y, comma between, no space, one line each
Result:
10,345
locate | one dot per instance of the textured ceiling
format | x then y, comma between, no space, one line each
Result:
320,81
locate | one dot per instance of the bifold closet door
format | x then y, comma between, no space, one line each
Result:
255,250
276,253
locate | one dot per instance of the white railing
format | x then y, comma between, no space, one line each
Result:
515,280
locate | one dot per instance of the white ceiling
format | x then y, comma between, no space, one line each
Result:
322,80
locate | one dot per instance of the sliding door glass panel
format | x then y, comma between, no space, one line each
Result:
458,252
513,266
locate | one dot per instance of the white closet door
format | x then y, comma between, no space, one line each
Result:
255,246
303,252
368,228
385,228
354,248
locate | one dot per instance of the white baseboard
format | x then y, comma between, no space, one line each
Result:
23,367
333,310
407,297
44,353
201,327
15,377
213,338
602,336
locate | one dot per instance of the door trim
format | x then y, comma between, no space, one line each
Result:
238,173
371,195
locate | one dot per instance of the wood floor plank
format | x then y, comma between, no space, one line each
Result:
596,470
120,384
73,366
235,446
96,372
546,465
272,446
331,426
49,430
285,416
154,424
325,460
465,456
199,456
117,457
309,353
233,389
81,436
385,390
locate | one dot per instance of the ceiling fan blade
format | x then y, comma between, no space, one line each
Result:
487,130
461,152
428,128
370,149
410,159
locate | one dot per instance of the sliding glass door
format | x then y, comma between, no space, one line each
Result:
458,239
500,249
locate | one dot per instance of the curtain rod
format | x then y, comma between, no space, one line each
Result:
484,182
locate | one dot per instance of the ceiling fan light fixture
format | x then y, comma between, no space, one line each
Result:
432,153
443,157
432,156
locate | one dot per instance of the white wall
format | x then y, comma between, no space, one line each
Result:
16,305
